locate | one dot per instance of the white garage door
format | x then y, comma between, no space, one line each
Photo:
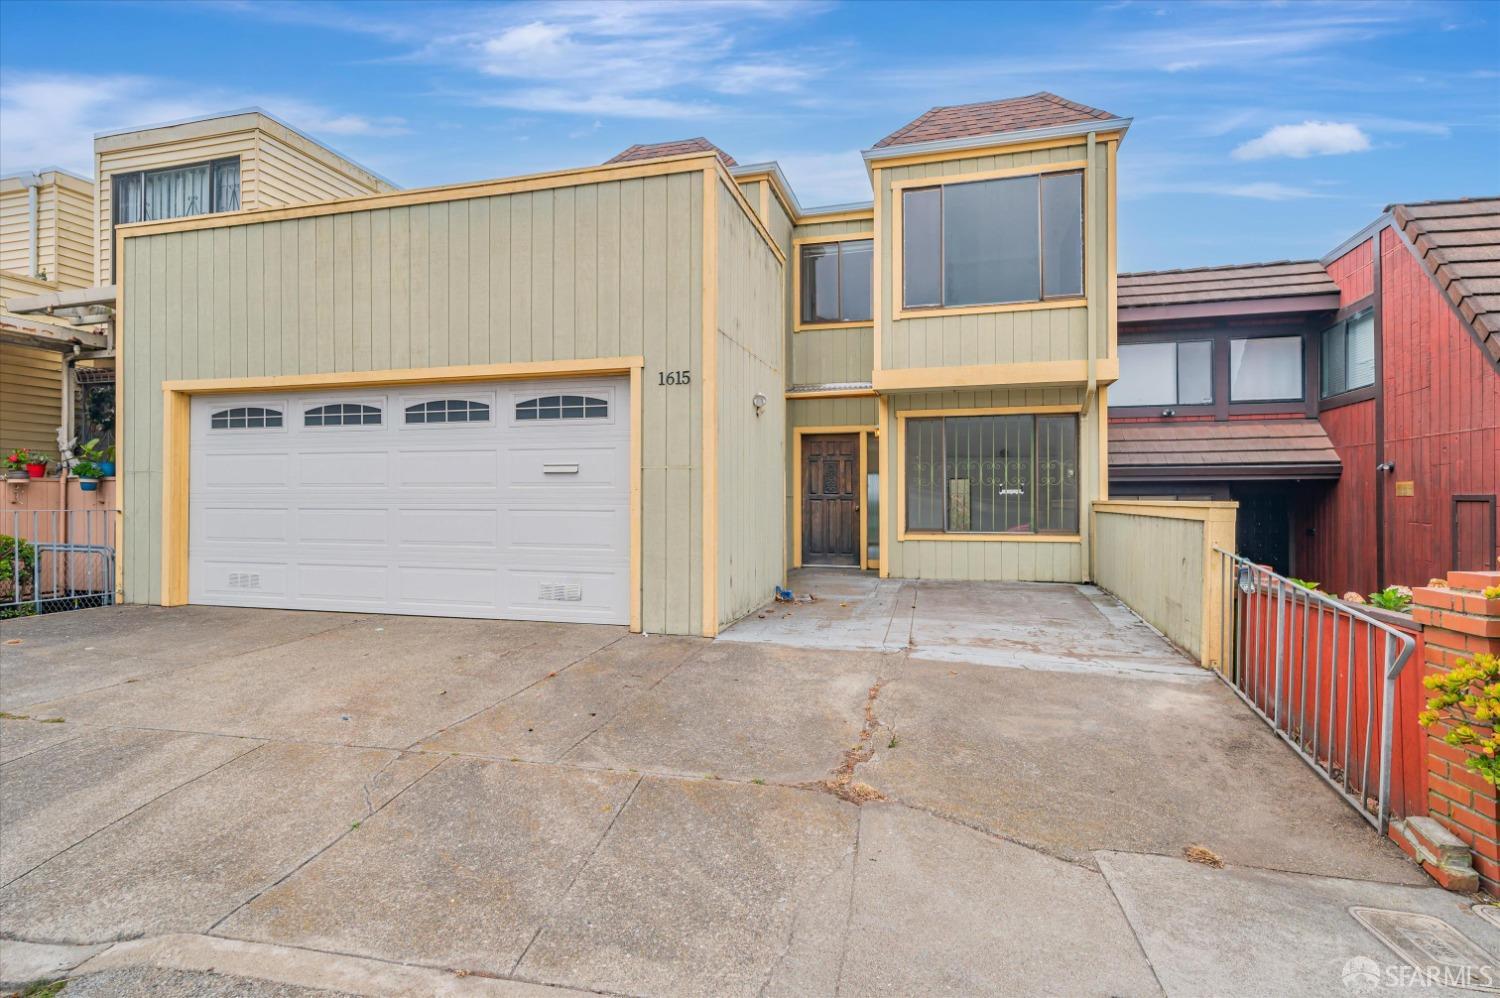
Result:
507,500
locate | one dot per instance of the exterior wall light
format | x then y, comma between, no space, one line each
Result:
759,401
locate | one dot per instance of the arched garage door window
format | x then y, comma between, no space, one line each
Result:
563,407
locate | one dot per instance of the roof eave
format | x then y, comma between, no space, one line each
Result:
1285,304
990,139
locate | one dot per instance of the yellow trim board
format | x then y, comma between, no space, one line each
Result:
710,402
1030,169
798,326
1036,374
899,446
177,399
834,218
1045,304
981,152
411,376
863,432
832,393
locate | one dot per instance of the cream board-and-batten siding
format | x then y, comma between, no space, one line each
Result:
552,270
1029,357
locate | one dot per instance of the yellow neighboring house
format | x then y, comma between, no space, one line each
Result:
57,231
46,245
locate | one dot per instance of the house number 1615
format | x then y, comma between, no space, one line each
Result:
683,377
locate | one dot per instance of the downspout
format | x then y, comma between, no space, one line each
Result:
1383,470
32,182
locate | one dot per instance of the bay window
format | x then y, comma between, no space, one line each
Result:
1349,354
835,281
988,242
988,474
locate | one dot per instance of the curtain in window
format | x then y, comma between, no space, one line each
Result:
176,193
128,206
227,185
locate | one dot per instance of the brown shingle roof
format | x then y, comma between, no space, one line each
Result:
1459,242
1196,449
654,150
1014,114
1283,279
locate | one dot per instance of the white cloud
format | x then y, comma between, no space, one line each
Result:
1265,190
821,177
1311,138
50,119
636,60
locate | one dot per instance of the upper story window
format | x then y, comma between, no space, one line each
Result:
176,192
1165,374
835,281
990,242
1265,369
1349,354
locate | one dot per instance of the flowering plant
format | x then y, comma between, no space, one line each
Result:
1468,698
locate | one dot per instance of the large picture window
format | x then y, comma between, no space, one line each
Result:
1172,373
1349,354
1014,474
835,281
1265,369
990,242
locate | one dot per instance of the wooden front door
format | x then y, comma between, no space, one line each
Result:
830,499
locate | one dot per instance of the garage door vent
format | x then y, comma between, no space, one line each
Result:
244,580
561,591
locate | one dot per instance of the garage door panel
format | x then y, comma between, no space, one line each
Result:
241,579
466,529
489,518
448,469
576,532
343,469
242,524
357,583
242,470
448,586
547,593
345,526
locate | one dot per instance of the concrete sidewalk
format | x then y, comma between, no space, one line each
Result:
383,805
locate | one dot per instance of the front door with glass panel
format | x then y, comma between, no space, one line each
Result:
830,499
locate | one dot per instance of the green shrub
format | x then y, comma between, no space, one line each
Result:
1396,598
17,573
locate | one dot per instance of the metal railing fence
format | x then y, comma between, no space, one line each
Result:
56,559
1321,673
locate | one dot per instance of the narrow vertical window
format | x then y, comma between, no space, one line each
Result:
922,247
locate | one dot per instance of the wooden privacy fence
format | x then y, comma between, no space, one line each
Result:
1158,558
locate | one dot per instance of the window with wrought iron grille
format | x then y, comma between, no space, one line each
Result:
992,474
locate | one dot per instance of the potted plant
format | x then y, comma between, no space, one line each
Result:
35,464
15,466
88,475
102,458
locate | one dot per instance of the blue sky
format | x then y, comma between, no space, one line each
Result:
1262,130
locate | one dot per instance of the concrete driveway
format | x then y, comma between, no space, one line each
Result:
388,805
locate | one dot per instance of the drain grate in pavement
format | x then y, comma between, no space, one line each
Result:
1435,949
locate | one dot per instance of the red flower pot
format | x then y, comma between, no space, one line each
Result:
37,470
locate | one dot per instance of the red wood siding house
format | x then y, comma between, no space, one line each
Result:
1413,493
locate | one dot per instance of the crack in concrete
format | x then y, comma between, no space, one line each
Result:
326,846
691,657
235,758
838,981
810,895
563,897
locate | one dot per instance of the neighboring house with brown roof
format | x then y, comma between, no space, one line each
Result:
680,147
1350,404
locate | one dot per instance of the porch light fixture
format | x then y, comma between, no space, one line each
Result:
759,401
